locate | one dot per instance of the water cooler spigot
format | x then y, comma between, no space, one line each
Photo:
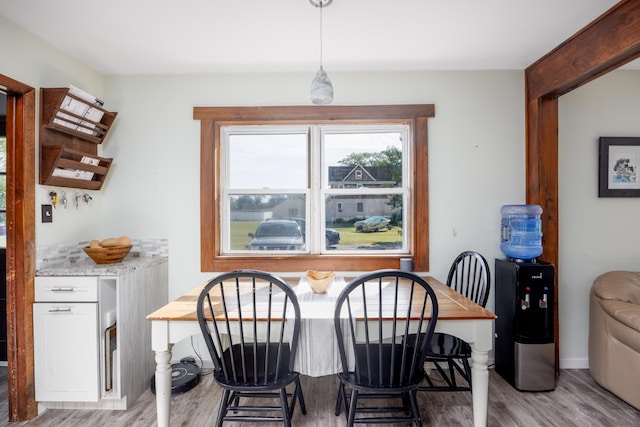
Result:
543,303
526,303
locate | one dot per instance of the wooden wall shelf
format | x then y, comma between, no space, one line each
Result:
57,163
57,115
71,129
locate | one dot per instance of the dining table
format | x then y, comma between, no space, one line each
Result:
317,346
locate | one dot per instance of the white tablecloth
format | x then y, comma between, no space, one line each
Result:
318,353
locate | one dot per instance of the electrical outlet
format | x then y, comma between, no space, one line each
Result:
47,213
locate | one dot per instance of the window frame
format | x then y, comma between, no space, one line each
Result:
212,119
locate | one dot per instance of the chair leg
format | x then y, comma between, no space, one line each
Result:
222,410
452,372
415,412
352,407
298,393
235,398
345,401
443,374
339,400
286,415
467,369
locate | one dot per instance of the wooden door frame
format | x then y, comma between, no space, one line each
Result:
21,252
607,43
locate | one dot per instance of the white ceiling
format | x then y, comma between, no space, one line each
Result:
204,36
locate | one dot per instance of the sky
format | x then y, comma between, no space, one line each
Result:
279,161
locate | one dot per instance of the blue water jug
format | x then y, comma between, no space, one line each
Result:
521,231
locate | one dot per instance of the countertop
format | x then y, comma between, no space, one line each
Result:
87,267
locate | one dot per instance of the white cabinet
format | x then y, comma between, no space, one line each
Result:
92,339
66,351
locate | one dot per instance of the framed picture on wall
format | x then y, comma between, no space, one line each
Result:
619,162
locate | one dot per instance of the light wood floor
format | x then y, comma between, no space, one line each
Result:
576,401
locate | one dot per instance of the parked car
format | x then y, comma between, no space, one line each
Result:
332,237
373,223
277,235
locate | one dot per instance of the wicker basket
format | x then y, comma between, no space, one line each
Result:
109,255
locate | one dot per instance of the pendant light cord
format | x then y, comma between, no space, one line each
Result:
320,34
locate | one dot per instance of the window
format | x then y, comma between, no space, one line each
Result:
362,170
300,173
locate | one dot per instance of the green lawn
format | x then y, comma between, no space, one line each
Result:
348,235
239,230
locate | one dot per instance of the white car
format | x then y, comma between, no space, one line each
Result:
373,223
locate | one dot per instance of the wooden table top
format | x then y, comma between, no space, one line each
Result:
451,305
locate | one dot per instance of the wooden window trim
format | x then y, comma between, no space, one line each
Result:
211,120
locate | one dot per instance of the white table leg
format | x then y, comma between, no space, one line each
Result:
163,387
480,381
160,344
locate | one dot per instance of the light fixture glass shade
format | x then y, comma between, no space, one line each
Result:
321,88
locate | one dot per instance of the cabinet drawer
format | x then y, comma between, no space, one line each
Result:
66,288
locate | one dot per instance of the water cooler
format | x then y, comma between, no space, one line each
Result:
524,300
525,345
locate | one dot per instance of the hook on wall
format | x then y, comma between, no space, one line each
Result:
53,195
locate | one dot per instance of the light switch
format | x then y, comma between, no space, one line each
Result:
47,213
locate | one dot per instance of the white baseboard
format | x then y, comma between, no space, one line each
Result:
574,363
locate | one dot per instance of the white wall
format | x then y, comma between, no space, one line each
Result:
596,234
31,61
476,152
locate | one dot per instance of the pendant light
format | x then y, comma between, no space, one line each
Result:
321,87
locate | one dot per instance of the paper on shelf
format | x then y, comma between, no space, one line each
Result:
73,173
89,161
83,109
84,95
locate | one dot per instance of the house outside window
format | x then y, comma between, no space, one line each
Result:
288,168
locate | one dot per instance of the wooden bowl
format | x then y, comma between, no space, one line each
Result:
320,280
110,255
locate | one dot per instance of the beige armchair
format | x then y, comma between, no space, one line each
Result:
614,334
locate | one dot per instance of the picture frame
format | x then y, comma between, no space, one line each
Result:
619,159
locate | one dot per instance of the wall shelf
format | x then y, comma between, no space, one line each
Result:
64,167
71,128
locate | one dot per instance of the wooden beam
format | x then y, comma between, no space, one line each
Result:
608,42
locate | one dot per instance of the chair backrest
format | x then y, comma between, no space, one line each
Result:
469,275
384,323
254,336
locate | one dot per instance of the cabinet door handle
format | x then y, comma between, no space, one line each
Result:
60,310
62,289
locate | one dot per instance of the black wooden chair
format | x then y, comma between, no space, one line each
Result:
252,343
469,275
379,361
